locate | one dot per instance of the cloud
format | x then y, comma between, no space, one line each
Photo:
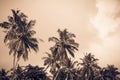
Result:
107,23
104,21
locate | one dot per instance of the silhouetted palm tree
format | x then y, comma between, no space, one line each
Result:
109,73
3,75
89,67
65,43
19,35
51,62
67,72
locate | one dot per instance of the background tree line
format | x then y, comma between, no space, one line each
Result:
20,40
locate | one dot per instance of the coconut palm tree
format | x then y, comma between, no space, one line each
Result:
65,43
90,67
51,62
67,72
19,36
109,73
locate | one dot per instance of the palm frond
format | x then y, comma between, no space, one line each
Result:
5,25
54,39
30,24
71,52
30,33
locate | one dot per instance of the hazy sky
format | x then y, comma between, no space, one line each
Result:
96,24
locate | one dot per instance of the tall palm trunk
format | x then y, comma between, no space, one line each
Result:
13,62
14,67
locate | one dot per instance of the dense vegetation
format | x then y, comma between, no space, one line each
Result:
58,65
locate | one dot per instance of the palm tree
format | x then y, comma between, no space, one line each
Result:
3,75
110,73
51,62
67,72
90,67
65,43
19,36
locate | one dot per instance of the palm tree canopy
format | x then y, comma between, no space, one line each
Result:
65,43
19,34
90,66
51,62
35,73
89,59
67,72
110,71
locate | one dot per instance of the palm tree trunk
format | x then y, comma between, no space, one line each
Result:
17,62
14,59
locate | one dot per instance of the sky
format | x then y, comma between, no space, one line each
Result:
96,24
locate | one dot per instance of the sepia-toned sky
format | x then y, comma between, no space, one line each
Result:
96,24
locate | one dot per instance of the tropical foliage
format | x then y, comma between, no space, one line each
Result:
3,75
89,67
65,43
59,62
19,35
51,62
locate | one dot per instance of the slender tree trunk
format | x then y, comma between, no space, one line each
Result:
17,62
14,59
14,65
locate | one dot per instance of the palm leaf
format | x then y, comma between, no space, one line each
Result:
71,52
5,25
30,24
54,39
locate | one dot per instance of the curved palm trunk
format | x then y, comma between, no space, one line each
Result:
15,62
14,58
14,67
